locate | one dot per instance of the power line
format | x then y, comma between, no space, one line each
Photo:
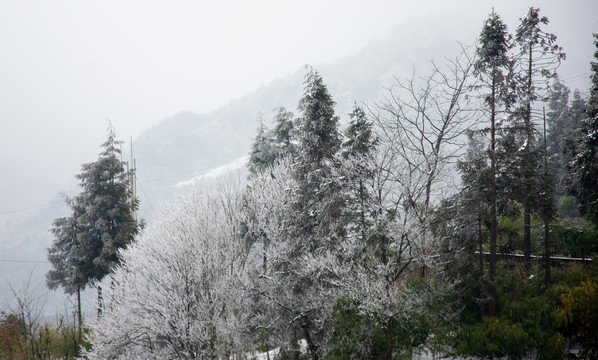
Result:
23,261
26,210
144,194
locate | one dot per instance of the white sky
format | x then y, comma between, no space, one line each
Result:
66,66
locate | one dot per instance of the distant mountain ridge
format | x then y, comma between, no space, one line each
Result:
188,145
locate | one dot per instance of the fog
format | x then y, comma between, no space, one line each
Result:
68,66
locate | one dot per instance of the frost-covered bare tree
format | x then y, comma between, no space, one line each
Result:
176,294
365,273
422,123
291,291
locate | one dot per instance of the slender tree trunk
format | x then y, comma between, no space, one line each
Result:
368,337
527,234
547,272
493,196
388,330
481,247
481,251
100,301
79,317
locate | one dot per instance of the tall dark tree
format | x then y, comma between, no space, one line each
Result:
318,141
583,170
86,244
539,57
310,222
358,152
493,67
66,260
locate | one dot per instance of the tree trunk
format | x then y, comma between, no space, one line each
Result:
310,344
79,317
527,235
388,330
493,196
100,301
547,274
481,247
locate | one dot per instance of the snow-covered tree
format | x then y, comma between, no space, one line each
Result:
262,152
86,244
423,121
493,67
316,200
270,145
584,166
536,64
288,289
177,293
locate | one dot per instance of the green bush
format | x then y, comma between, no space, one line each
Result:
578,315
494,337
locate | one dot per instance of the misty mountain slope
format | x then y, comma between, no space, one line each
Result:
187,145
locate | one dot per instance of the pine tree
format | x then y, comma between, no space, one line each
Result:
359,135
86,244
318,141
318,202
583,170
357,169
493,67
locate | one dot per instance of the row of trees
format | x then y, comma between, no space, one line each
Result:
504,173
328,223
349,241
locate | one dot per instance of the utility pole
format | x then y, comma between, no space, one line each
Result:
132,181
547,274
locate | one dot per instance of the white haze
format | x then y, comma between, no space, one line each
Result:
67,66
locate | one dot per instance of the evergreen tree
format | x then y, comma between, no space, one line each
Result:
269,146
262,153
493,68
357,168
318,141
359,135
284,133
474,198
318,201
86,244
570,143
560,127
583,170
538,58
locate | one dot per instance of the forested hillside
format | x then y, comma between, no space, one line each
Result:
393,234
448,211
